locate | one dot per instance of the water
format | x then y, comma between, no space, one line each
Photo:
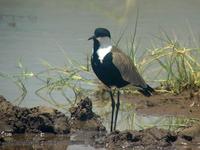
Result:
50,142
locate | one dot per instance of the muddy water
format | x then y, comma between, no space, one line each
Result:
50,142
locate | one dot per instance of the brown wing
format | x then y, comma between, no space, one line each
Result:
126,67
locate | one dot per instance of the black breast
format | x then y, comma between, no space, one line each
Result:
107,72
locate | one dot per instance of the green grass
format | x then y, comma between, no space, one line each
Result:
18,80
180,66
54,79
65,82
172,67
69,78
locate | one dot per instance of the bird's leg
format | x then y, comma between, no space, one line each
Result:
113,109
117,108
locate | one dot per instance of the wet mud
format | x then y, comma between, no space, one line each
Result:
39,119
186,103
53,128
152,139
83,118
43,119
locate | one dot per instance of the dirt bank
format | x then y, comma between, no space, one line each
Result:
186,103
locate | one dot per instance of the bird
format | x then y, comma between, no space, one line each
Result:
115,69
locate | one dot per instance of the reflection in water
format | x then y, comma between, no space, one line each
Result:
130,119
79,140
31,141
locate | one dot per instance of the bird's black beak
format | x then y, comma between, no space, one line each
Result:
92,37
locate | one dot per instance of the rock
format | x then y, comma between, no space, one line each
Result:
82,117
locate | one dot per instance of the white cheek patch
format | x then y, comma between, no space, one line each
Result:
102,52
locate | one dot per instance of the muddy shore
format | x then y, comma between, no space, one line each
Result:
44,120
186,103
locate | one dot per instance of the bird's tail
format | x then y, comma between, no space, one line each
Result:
147,91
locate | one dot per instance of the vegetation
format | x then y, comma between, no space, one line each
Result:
69,78
178,66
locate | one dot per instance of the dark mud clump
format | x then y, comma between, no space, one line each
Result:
2,140
82,117
151,138
39,119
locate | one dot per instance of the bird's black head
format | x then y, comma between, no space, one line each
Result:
100,32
